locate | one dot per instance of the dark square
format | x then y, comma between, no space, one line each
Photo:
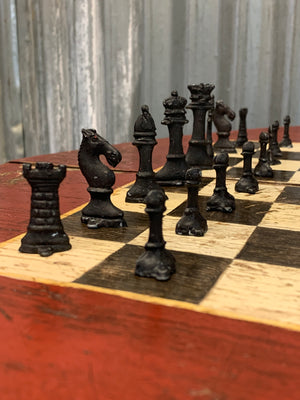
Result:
289,155
278,175
137,223
195,275
290,195
247,212
235,160
273,246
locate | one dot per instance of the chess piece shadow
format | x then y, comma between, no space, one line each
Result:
100,212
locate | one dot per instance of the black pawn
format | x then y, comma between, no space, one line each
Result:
274,143
263,168
286,141
45,233
173,172
242,133
156,262
270,152
192,222
144,140
221,200
247,182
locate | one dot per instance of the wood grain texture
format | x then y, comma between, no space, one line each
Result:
76,344
255,287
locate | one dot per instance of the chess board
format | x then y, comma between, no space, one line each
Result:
245,267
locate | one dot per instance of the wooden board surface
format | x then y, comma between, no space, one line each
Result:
81,325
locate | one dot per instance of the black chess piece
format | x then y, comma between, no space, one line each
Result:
45,233
274,143
221,200
144,140
270,152
100,212
201,102
192,222
247,183
223,127
286,141
242,133
173,172
209,146
156,262
263,167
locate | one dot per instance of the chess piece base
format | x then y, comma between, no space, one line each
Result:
247,184
100,212
221,200
158,264
191,223
224,144
44,244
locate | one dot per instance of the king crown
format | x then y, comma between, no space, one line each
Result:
175,101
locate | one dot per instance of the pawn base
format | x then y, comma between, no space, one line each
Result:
156,263
191,223
263,170
247,184
286,142
221,200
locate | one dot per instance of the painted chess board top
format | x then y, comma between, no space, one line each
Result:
241,277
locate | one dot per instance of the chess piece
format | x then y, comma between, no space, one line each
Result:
192,222
209,146
100,212
144,140
45,233
270,152
247,183
223,127
221,200
201,102
156,262
173,172
274,143
242,133
263,168
286,141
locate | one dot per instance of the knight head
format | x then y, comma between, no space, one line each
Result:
96,145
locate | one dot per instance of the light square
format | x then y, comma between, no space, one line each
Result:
64,266
221,239
257,290
282,216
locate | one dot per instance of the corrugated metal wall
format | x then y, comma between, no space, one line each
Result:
91,63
